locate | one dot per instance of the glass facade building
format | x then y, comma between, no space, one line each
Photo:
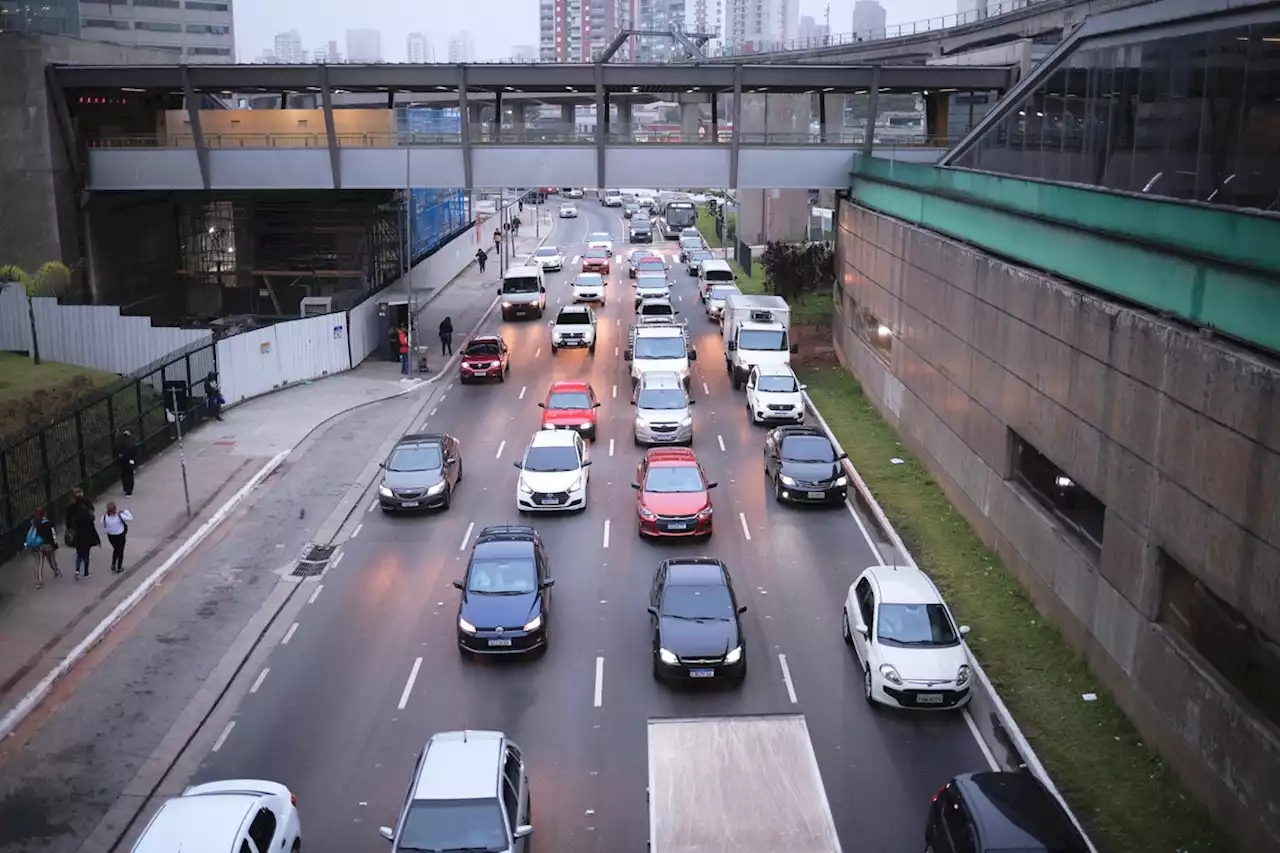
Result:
435,215
1180,108
48,17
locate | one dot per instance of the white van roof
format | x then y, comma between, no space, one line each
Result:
527,271
716,264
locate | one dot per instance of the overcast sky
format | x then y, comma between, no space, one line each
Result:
495,25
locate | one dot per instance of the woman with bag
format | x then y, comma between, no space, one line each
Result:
82,530
42,541
116,524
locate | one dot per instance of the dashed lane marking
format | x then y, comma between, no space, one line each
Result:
523,388
408,685
466,536
746,531
599,693
257,682
288,635
498,455
720,441
222,738
315,595
786,678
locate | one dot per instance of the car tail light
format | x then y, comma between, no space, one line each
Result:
934,798
293,799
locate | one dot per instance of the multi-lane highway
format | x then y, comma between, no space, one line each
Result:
339,710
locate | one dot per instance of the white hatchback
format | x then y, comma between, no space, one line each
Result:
553,473
774,394
231,816
652,285
588,287
911,652
600,240
549,258
568,211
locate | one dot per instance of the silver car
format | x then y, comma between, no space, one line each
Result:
663,415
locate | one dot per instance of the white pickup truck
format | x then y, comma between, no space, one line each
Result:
745,784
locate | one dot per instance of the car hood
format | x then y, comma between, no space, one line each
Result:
516,298
595,262
567,417
662,416
550,481
682,503
790,398
937,664
649,365
653,290
697,639
411,480
582,285
811,472
500,611
475,358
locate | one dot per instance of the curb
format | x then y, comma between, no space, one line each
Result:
1020,746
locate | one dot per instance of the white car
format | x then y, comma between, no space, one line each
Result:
574,328
568,211
600,240
230,816
911,651
549,258
716,295
576,192
588,287
774,394
553,473
652,285
648,309
647,203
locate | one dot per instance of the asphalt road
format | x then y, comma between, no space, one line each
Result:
338,719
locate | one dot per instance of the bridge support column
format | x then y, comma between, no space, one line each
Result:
496,133
937,113
624,120
690,117
569,118
772,214
517,121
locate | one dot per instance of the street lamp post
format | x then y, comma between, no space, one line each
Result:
174,394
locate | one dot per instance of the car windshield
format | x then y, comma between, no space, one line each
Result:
548,460
504,576
718,275
573,318
641,226
546,252
644,255
659,348
482,348
590,279
656,309
415,457
700,255
596,253
697,602
673,479
915,625
599,237
807,448
722,292
762,340
778,384
522,284
651,279
661,398
569,400
453,825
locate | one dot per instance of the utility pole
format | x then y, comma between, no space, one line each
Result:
174,394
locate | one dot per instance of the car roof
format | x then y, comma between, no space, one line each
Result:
715,264
575,309
507,533
792,431
903,585
553,438
590,275
568,385
202,823
421,438
661,379
671,456
523,271
660,330
772,369
548,249
1015,812
594,234
460,766
485,339
695,571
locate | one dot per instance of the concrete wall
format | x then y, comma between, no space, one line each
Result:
1178,434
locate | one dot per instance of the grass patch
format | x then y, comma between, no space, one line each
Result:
1129,800
707,225
30,393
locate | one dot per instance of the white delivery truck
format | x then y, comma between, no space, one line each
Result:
756,330
746,784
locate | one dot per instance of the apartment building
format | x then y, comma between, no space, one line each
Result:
364,45
462,47
869,19
575,30
753,26
288,49
199,31
691,16
419,49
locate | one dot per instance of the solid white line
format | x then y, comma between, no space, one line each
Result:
720,441
373,504
611,447
615,392
430,414
356,532
745,530
786,679
606,533
408,685
538,352
315,595
599,698
875,550
498,455
257,682
982,744
337,559
523,388
466,536
222,738
288,635
705,389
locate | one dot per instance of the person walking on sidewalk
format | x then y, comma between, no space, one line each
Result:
42,541
515,226
446,336
116,524
213,396
127,460
482,258
82,529
403,340
497,241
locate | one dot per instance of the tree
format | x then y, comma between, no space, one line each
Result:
794,270
52,279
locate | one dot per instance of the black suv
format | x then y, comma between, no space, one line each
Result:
998,811
506,593
805,466
641,230
421,472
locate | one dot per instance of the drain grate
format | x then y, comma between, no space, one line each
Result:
314,562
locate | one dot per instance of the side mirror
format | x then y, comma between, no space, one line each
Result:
733,346
633,401
626,356
742,609
861,629
457,584
635,486
596,404
675,312
653,611
693,402
499,293
964,629
548,583
542,288
382,465
522,831
518,464
387,832
804,387
712,485
542,405
693,355
795,348
842,456
586,462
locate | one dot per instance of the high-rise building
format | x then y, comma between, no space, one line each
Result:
524,53
811,32
199,31
419,49
576,30
868,19
327,53
752,26
49,17
364,45
462,48
691,16
288,49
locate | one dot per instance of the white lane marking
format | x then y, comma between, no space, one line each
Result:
746,531
865,533
786,679
498,455
449,387
337,559
720,441
257,682
430,414
606,533
222,738
442,396
315,595
288,635
523,388
599,697
577,259
615,352
615,392
538,352
611,447
705,389
466,536
373,504
677,297
617,321
356,532
408,685
982,744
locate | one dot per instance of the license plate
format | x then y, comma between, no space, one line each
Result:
496,643
817,494
929,698
408,504
678,526
702,673
549,502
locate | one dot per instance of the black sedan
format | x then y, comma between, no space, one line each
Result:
805,466
421,472
697,635
995,810
506,593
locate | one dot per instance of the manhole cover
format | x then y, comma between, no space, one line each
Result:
314,562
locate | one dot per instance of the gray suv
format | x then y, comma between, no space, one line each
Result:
662,406
470,791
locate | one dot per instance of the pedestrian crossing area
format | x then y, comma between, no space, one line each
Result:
669,257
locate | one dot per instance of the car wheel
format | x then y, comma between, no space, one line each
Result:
502,375
777,490
737,383
297,845
553,349
592,349
866,685
448,499
637,441
844,627
459,470
751,413
657,670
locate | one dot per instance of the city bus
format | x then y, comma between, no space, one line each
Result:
676,216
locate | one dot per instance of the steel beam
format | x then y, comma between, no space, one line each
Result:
461,82
66,128
735,142
326,99
602,127
197,133
873,109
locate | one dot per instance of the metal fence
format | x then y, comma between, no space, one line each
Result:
40,466
742,254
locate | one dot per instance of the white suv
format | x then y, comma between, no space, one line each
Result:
234,816
470,791
774,394
574,328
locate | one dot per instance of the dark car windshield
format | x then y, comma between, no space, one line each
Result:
507,576
656,309
595,254
482,348
661,398
640,225
718,275
673,479
569,400
778,384
659,348
523,284
701,255
548,459
651,263
697,602
453,825
573,318
415,457
762,340
548,252
722,291
807,448
915,625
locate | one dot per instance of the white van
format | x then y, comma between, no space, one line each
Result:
523,292
712,272
612,198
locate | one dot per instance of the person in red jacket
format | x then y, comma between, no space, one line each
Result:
404,351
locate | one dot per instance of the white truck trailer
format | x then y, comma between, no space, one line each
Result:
736,785
756,332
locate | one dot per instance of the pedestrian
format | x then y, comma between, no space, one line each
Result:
497,240
515,226
213,396
42,541
82,529
127,460
446,336
403,340
116,524
521,205
482,258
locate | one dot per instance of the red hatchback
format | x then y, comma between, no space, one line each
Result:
484,357
674,496
571,404
596,260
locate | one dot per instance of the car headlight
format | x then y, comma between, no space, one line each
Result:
735,655
647,515
465,627
705,513
576,484
524,488
506,304
384,491
687,420
890,674
962,677
533,624
787,481
842,481
667,657
436,489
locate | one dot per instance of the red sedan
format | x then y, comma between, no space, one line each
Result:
484,357
596,260
674,496
571,404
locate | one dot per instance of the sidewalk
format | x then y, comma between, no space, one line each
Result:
38,627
